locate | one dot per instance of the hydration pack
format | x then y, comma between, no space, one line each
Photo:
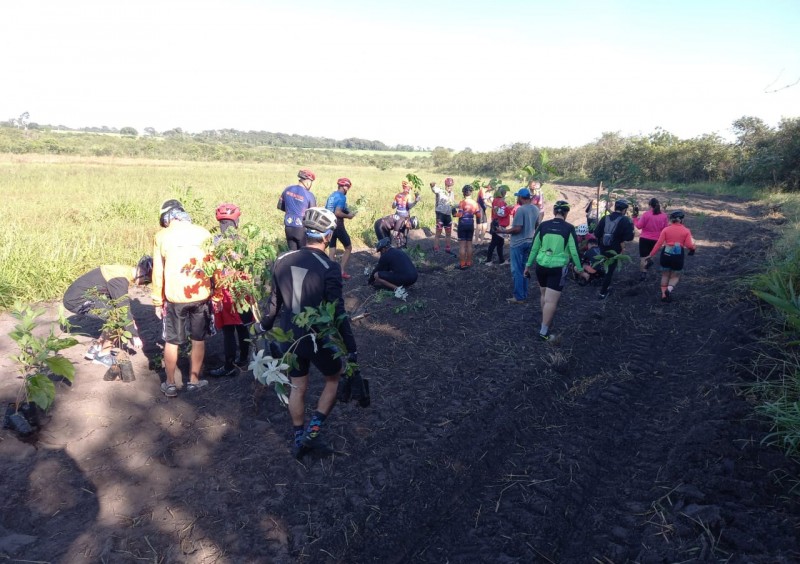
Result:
609,229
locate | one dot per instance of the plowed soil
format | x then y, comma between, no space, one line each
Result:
626,440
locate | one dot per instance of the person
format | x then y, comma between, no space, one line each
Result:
96,288
501,218
233,323
526,218
294,201
445,200
582,236
589,255
337,203
537,196
181,291
480,225
651,223
611,232
467,211
672,242
554,246
385,227
402,205
301,279
394,267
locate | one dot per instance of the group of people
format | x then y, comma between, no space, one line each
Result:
190,308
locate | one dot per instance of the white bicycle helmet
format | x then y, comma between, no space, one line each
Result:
581,229
320,220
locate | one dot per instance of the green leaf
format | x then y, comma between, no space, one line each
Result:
61,366
40,390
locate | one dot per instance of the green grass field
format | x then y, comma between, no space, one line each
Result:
71,214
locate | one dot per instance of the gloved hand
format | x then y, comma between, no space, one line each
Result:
648,262
691,252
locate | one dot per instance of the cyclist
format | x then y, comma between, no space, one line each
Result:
501,218
181,291
582,236
554,246
394,267
226,317
337,203
537,196
480,227
89,292
651,223
444,213
672,242
617,228
467,211
402,205
385,227
294,201
301,279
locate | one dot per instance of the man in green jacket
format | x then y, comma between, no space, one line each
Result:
554,245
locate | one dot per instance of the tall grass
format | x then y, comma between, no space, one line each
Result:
67,215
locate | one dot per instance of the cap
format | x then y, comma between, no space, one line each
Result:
523,193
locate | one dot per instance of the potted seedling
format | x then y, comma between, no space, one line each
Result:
37,361
115,329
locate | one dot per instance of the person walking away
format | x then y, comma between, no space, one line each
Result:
294,201
467,212
554,246
673,242
301,279
337,203
650,223
181,291
232,323
501,218
445,200
523,226
95,289
394,269
611,232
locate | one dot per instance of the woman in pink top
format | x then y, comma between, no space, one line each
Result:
651,223
673,242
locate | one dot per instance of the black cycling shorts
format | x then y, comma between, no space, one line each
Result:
182,320
323,359
671,262
465,232
554,278
646,247
295,237
444,220
340,234
397,278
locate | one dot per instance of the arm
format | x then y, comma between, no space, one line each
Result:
659,244
537,244
333,294
157,291
118,291
273,306
341,214
281,204
572,247
629,233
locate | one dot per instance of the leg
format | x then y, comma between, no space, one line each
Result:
229,341
384,283
517,267
198,353
448,235
297,399
550,299
469,253
327,398
462,253
244,344
664,283
500,244
607,278
170,361
346,257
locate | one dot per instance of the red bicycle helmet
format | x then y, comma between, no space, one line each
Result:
448,181
305,174
344,182
228,211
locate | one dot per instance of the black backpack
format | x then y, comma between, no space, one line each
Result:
609,229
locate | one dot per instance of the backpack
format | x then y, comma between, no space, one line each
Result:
609,229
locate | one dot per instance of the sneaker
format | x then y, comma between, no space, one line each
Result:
242,362
544,336
345,276
106,360
488,263
195,386
169,390
447,249
224,371
603,296
319,446
667,297
515,301
642,276
93,350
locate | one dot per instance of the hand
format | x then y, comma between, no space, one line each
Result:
648,262
527,272
159,312
691,252
584,275
353,357
136,343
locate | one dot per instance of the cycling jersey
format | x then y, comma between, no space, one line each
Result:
554,245
111,281
294,201
403,204
468,211
501,212
337,200
396,267
383,226
179,253
444,200
306,278
674,238
650,224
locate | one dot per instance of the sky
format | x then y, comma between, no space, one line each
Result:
426,73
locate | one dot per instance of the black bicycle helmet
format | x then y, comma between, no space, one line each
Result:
384,243
144,270
561,206
621,205
467,189
677,215
166,207
413,222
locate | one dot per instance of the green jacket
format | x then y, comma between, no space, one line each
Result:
554,244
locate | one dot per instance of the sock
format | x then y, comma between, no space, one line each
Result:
315,425
671,288
663,291
544,329
298,435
